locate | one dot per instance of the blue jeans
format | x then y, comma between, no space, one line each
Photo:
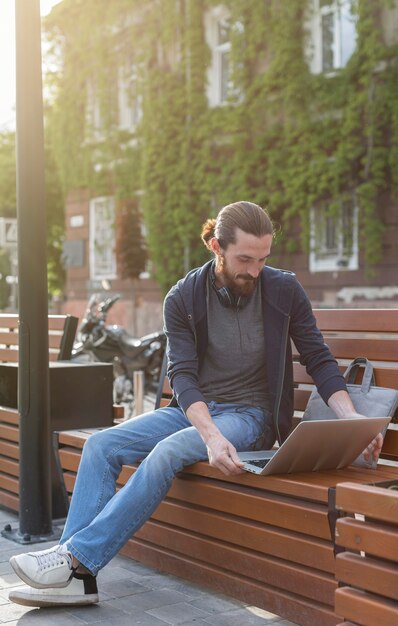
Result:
101,520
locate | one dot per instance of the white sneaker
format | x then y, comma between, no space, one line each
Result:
81,590
43,569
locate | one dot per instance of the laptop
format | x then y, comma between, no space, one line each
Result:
316,445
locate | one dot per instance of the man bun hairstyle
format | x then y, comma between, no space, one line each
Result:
208,232
246,216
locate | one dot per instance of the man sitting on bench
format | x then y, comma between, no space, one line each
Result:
228,325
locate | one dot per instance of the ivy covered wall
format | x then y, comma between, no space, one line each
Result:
288,139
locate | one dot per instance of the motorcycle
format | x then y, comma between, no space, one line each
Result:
99,342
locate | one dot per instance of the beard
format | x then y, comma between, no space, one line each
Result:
238,284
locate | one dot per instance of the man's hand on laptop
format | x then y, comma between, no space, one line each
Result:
221,452
342,405
222,455
372,451
374,448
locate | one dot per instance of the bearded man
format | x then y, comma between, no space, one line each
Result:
228,326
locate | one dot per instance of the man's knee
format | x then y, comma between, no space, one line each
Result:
166,457
98,442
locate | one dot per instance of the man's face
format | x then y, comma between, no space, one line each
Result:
239,266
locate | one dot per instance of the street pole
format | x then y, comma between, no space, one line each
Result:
33,374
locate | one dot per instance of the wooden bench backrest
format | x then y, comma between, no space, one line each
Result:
61,335
368,580
349,333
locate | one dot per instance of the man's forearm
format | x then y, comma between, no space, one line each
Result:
199,416
341,403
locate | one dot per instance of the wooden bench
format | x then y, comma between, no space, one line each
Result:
61,335
268,541
367,571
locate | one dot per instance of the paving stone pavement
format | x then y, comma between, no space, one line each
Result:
131,594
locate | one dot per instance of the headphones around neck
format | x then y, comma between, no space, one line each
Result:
225,295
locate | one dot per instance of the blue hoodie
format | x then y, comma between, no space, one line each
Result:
287,315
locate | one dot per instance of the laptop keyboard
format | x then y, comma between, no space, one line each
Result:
259,462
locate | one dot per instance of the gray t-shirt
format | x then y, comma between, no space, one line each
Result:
234,366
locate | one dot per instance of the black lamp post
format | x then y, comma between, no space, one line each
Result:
33,374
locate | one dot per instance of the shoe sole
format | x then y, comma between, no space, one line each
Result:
32,583
53,600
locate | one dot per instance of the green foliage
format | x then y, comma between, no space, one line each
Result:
54,203
287,139
53,200
8,200
5,289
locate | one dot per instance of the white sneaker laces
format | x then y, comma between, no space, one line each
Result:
54,558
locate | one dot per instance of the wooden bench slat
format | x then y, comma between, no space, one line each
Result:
360,320
11,321
300,375
374,539
374,349
75,438
9,449
270,540
390,445
9,483
269,570
364,608
9,500
9,466
10,416
384,376
9,432
265,508
9,338
9,355
355,499
69,480
12,339
69,458
368,574
310,486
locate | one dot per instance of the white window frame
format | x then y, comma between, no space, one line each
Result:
343,43
340,257
102,238
219,51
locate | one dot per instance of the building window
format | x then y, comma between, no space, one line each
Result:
94,117
218,37
102,239
333,34
130,99
334,238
